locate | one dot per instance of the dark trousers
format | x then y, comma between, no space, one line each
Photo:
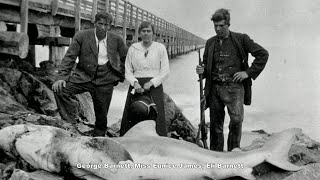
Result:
129,119
232,96
101,97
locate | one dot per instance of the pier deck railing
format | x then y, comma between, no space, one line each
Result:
127,17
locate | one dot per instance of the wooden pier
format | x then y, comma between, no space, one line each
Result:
54,22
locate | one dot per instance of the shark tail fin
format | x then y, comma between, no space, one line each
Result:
278,147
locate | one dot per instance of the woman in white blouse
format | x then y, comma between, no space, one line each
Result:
146,68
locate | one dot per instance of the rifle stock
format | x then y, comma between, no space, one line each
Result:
202,124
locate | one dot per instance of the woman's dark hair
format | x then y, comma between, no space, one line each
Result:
146,24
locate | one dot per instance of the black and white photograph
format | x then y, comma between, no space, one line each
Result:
159,89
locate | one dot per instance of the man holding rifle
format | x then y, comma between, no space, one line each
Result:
228,78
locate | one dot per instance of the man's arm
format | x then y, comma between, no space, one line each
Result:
67,64
69,59
205,59
122,51
260,56
201,69
164,69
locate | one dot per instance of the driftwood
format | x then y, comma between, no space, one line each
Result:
14,43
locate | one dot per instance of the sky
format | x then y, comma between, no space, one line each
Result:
271,22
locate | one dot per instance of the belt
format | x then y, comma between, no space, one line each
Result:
222,77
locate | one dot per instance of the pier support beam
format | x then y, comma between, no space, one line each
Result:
24,15
50,36
124,24
77,16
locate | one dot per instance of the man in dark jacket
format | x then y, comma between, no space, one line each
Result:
101,55
228,78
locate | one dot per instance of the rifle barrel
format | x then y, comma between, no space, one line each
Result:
202,109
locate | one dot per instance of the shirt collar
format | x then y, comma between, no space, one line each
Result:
140,46
218,39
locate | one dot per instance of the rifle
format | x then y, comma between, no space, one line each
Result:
202,125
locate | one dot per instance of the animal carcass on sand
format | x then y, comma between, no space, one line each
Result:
158,157
56,150
154,157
